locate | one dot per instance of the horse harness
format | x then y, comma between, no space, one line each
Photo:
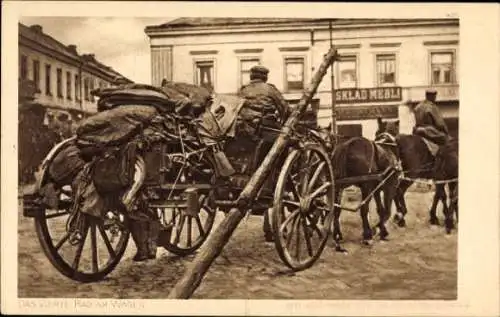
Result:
389,140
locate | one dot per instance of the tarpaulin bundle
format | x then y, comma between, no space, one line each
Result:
117,125
134,94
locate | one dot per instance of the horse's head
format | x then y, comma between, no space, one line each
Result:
386,134
386,130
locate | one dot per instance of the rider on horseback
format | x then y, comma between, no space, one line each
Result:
430,125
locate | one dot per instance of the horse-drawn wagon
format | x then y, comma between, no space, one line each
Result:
196,167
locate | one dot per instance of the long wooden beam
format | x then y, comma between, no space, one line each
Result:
193,276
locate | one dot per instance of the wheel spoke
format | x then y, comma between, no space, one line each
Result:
105,238
292,217
290,234
93,243
179,230
315,176
59,214
200,226
61,242
293,203
76,261
189,225
307,238
318,191
297,241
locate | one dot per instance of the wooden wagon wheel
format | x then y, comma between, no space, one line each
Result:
303,206
82,247
185,231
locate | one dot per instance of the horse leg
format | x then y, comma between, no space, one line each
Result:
337,234
438,196
390,192
448,220
367,231
399,217
381,214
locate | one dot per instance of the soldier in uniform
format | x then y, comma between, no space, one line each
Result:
264,105
263,100
430,125
428,120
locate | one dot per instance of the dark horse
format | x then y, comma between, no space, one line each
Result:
355,158
418,163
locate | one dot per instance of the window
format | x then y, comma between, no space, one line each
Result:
347,72
77,88
205,74
442,68
245,66
23,71
386,69
68,85
36,74
48,88
86,89
59,83
294,72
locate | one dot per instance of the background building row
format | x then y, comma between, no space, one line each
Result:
54,93
383,62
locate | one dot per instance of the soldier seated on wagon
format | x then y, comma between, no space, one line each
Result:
264,102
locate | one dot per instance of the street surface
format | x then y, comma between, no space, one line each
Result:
419,262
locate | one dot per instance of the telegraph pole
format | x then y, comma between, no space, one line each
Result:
332,88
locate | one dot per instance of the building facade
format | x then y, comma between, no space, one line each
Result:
383,63
62,78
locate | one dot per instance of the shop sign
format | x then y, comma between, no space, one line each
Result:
365,95
366,112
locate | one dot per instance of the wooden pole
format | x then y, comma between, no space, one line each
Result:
193,276
332,80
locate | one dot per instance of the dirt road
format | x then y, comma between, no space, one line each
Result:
419,262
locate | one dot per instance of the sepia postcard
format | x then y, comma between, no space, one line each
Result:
250,159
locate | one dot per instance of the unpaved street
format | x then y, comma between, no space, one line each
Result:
419,262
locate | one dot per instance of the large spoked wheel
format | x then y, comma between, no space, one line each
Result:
303,206
184,229
184,232
82,247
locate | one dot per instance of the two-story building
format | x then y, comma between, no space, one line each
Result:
62,78
383,62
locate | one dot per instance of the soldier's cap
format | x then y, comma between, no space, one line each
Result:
259,70
431,91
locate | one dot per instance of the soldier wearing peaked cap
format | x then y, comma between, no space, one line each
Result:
430,125
262,98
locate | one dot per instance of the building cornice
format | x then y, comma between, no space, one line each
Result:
297,26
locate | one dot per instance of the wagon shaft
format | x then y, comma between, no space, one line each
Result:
195,273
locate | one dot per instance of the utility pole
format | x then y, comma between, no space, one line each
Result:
332,88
